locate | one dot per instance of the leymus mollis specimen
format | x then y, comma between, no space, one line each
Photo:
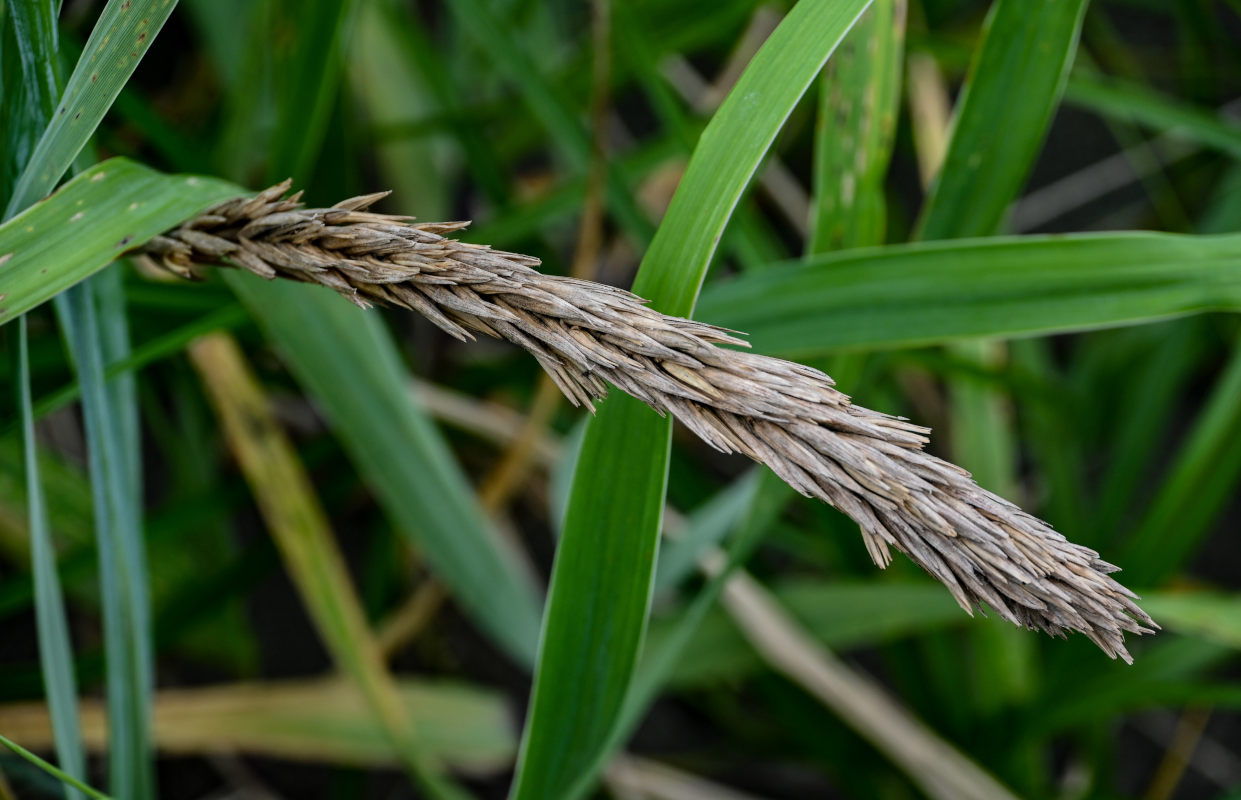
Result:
586,335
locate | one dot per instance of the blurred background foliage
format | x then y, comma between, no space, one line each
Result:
305,519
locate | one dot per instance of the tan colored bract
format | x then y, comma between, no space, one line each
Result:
586,335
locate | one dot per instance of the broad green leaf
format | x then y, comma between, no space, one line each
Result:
348,363
117,43
108,209
922,294
602,576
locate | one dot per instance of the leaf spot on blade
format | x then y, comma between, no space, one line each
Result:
5,258
98,176
142,37
125,5
94,76
77,216
191,181
133,207
125,241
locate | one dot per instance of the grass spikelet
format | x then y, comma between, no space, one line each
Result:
870,465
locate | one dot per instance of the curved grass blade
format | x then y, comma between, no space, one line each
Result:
91,220
602,576
936,292
55,648
117,43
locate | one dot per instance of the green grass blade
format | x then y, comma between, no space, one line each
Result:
55,648
557,114
1213,616
391,38
122,561
602,577
731,149
60,775
1002,115
315,69
34,26
1198,485
664,655
936,292
161,347
1130,102
348,362
705,528
841,615
117,43
95,217
856,124
596,616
